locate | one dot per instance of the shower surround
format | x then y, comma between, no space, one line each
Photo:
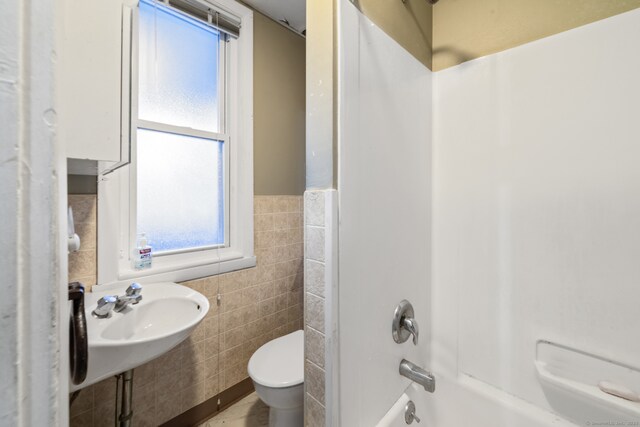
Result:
502,198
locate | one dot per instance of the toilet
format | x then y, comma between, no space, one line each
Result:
277,371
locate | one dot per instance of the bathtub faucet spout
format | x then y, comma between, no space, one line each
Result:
418,375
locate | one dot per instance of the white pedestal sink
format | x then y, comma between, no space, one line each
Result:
164,318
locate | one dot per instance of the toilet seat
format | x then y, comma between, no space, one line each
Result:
280,362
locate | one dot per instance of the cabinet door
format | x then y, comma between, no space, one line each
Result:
90,78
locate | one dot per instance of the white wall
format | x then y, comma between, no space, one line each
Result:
32,173
537,205
384,211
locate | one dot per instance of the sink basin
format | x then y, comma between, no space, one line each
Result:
164,318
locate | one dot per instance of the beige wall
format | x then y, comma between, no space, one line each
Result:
279,109
455,31
83,264
321,94
468,29
257,305
408,23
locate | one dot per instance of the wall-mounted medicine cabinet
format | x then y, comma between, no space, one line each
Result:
94,100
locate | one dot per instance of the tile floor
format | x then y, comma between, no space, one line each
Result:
249,412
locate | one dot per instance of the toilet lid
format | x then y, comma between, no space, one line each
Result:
280,362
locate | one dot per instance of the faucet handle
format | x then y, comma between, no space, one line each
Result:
134,290
411,325
131,296
404,323
105,305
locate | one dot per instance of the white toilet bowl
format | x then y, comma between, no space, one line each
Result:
277,371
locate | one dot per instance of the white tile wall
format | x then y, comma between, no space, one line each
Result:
319,321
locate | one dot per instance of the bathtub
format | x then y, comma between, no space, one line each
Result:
465,401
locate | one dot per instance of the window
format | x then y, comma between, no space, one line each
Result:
180,208
189,184
181,140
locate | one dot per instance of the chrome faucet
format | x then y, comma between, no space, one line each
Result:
132,296
105,305
418,375
411,325
404,324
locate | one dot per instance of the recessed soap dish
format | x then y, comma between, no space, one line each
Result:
571,380
619,390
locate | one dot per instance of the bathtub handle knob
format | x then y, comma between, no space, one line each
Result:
410,413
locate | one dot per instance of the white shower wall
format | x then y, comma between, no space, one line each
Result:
537,205
536,217
384,195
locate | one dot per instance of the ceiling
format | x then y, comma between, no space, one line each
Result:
293,11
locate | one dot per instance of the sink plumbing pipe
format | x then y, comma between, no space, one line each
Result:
126,401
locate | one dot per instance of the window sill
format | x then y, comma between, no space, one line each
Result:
228,263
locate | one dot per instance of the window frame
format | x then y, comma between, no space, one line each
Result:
116,191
